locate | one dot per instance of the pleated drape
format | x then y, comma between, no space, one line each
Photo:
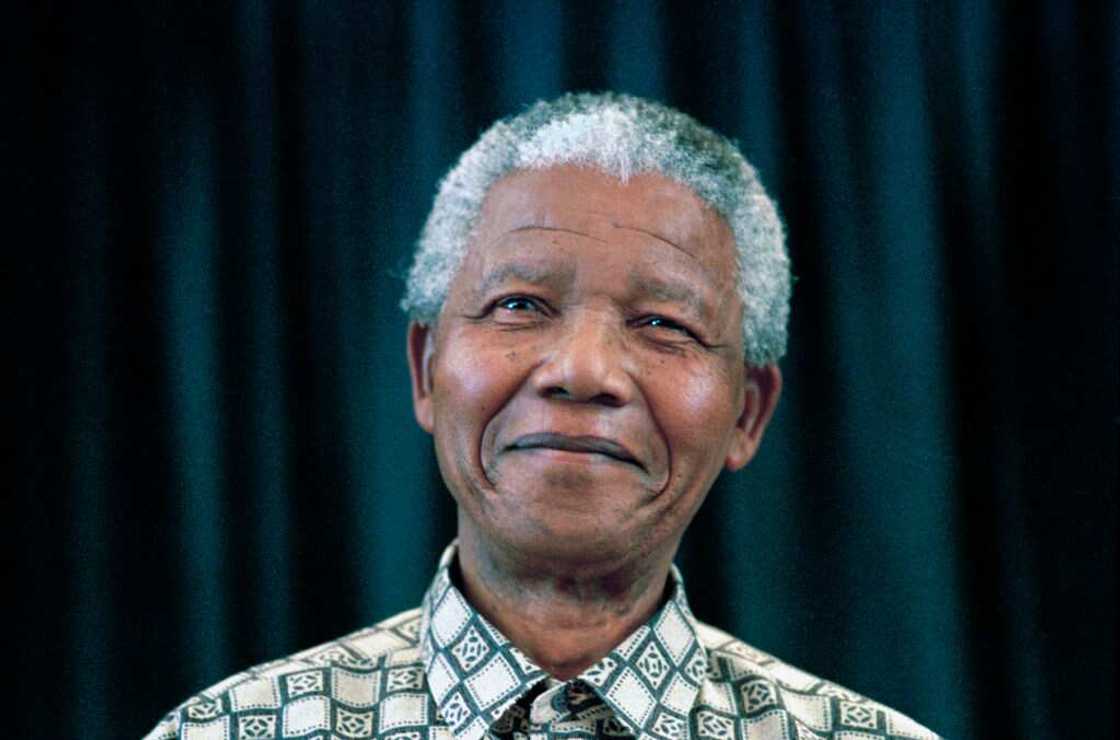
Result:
218,462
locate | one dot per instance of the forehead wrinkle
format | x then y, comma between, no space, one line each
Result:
535,227
653,234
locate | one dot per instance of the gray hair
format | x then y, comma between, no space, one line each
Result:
622,136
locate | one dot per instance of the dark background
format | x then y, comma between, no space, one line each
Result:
216,460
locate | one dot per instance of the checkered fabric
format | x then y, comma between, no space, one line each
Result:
442,672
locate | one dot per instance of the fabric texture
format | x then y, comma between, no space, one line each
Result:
443,671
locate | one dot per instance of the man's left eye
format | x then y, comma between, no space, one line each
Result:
661,322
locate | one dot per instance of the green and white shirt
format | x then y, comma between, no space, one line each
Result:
442,672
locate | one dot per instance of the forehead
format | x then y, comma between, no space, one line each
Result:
570,196
648,232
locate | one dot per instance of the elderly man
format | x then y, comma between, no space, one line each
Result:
599,299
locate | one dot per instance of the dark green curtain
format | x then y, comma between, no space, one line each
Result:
215,460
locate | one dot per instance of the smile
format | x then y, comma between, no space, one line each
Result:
584,444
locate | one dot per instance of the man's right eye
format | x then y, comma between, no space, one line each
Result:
518,303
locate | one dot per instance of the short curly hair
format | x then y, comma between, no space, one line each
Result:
621,135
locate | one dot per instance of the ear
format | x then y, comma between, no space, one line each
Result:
761,389
421,345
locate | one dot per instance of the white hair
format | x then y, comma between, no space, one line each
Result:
622,136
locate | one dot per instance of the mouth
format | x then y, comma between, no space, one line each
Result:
585,444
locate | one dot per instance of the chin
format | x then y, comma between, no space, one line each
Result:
573,541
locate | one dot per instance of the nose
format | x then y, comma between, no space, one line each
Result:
589,364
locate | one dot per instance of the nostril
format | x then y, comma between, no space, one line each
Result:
561,393
607,399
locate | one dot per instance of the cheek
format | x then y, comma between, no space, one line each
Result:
696,414
472,387
463,392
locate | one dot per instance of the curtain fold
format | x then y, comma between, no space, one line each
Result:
219,462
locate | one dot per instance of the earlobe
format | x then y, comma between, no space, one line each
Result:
761,389
421,344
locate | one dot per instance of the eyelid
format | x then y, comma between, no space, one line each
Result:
677,325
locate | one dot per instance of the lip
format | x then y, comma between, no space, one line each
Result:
581,443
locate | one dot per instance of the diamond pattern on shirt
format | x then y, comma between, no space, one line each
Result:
470,650
204,709
353,724
475,672
599,674
304,683
409,678
861,716
653,665
443,672
713,725
758,694
256,726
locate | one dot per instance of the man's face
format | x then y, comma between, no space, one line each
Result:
585,383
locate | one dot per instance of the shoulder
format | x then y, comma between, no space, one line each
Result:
777,699
297,690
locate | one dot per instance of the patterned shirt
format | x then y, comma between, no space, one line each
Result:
443,672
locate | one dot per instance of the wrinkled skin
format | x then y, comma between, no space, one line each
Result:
585,383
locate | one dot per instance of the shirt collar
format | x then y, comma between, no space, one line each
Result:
650,680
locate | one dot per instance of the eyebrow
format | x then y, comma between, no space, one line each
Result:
534,273
669,292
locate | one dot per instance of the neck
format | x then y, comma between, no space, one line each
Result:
564,618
